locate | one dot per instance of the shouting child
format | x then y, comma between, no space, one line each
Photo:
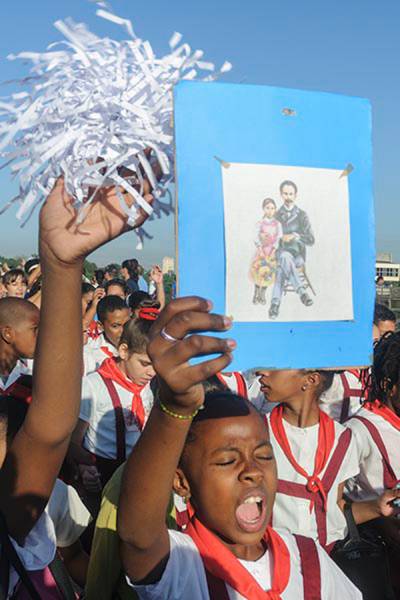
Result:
216,453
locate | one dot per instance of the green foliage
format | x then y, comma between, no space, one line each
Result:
12,262
169,280
88,269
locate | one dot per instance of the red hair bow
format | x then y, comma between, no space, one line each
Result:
149,313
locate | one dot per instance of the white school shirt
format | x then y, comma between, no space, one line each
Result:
294,513
21,368
331,400
184,577
60,525
68,513
93,355
368,485
97,410
38,549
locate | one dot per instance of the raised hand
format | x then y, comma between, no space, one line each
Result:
156,275
98,294
181,320
62,238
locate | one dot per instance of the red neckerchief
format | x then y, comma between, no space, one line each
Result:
94,330
220,562
110,370
326,439
383,411
107,351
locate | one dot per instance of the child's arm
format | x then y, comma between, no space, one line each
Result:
37,452
367,510
158,278
149,473
90,314
76,562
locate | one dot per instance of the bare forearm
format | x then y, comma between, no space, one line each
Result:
76,562
89,315
55,413
365,511
148,477
161,295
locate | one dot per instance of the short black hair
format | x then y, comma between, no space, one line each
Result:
133,268
99,276
326,377
139,299
288,182
87,287
112,269
109,304
116,281
383,313
12,275
219,404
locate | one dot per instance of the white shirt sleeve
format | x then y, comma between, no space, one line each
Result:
87,401
361,438
184,576
351,465
68,513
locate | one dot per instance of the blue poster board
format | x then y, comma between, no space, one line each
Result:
218,126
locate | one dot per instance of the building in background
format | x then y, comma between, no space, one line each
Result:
168,265
386,268
389,292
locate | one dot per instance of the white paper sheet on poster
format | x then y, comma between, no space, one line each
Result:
323,194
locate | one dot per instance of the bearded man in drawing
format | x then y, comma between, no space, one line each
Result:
291,255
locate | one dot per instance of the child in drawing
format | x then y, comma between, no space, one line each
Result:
263,266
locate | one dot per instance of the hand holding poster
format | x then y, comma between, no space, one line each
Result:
275,212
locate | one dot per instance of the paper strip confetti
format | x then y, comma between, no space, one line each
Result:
89,109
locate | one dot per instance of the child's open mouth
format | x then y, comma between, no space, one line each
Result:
250,514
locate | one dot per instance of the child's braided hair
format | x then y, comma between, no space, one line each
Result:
385,373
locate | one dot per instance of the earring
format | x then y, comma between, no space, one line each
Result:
303,388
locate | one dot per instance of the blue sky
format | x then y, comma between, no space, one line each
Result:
350,47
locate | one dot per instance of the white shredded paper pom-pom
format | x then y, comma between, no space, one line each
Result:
92,106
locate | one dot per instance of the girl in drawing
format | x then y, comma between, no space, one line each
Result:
263,266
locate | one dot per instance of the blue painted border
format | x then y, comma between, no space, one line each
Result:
245,124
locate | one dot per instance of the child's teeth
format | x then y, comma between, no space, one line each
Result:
252,499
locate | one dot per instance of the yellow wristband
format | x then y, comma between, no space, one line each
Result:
175,415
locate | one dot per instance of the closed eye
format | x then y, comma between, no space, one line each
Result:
224,464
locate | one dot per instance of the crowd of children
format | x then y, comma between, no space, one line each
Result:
129,471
